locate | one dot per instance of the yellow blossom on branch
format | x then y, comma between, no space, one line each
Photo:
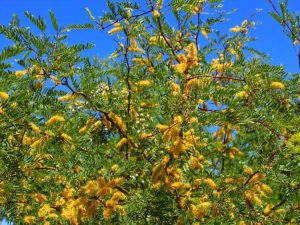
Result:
54,119
3,95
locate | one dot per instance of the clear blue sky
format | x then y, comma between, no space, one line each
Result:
270,38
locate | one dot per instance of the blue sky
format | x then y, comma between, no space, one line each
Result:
271,40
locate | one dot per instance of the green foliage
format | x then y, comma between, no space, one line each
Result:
163,131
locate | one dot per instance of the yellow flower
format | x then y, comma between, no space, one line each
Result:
277,85
40,198
267,210
114,168
14,104
67,97
144,83
38,143
66,137
245,23
146,135
159,3
68,192
156,13
205,205
107,213
122,142
236,29
211,183
117,28
29,219
3,95
54,119
266,188
176,185
181,67
55,80
118,120
45,210
35,128
20,73
162,128
241,94
248,170
204,32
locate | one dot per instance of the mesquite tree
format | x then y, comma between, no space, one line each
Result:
182,124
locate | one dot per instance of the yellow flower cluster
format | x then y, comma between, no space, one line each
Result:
185,62
3,95
54,119
117,27
119,122
221,67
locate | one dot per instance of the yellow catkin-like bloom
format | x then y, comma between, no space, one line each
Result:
117,28
242,223
159,3
144,83
211,183
83,130
267,210
266,188
146,135
161,127
141,61
175,87
35,128
68,192
29,219
118,120
156,13
241,94
205,205
97,124
107,212
38,143
204,32
176,185
20,73
3,95
116,181
14,104
40,198
45,210
55,80
66,137
192,54
256,177
114,168
122,142
248,170
106,123
117,196
158,173
257,200
134,46
66,98
277,85
54,119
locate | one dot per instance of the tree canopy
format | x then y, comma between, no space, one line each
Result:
182,124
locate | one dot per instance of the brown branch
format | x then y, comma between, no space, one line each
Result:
248,180
166,40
